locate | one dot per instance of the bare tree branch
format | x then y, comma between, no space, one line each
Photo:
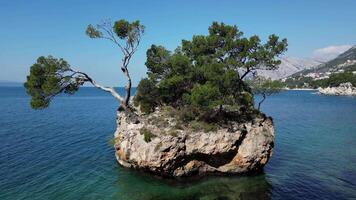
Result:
130,36
95,84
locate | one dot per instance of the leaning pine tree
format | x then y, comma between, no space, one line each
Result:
50,76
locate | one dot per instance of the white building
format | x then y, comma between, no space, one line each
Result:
312,75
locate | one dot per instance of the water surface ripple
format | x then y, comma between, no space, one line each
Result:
63,152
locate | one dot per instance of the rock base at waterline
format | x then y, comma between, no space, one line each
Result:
243,148
344,89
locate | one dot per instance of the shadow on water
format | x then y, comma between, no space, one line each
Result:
138,185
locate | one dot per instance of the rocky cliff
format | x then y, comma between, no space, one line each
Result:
344,89
289,66
241,148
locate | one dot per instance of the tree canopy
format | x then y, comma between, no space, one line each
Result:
50,76
207,73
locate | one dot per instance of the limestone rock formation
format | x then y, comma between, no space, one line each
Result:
242,148
344,89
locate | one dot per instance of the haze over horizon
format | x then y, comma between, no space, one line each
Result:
313,29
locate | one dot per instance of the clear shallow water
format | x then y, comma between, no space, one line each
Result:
63,152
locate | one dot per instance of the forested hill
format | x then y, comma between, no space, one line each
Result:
339,70
344,62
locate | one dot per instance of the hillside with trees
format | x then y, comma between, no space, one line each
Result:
339,70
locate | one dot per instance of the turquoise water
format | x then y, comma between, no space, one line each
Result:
63,152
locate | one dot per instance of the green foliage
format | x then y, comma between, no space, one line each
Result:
203,126
169,111
123,29
171,89
299,82
186,114
203,74
157,57
146,93
48,77
181,114
336,79
127,30
264,86
246,99
203,96
92,32
112,140
147,134
173,133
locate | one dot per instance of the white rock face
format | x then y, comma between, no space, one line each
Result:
245,148
289,66
344,89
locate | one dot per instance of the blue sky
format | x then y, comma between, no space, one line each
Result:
33,28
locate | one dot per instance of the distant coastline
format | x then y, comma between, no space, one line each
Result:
308,89
4,83
10,84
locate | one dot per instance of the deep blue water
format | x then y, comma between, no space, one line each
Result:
63,152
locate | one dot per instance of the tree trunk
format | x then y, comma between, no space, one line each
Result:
128,92
111,90
263,99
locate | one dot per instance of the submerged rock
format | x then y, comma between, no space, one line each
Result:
344,89
244,148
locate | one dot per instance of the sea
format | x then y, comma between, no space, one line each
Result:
64,152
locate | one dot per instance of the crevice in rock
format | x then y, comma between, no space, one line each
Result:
214,160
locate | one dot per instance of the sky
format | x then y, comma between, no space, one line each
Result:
29,29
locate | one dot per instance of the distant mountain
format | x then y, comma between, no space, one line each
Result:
4,83
344,62
289,66
338,68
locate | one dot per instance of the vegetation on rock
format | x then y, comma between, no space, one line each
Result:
194,90
202,81
147,134
204,78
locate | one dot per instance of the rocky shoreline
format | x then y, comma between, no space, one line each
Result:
344,89
243,148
